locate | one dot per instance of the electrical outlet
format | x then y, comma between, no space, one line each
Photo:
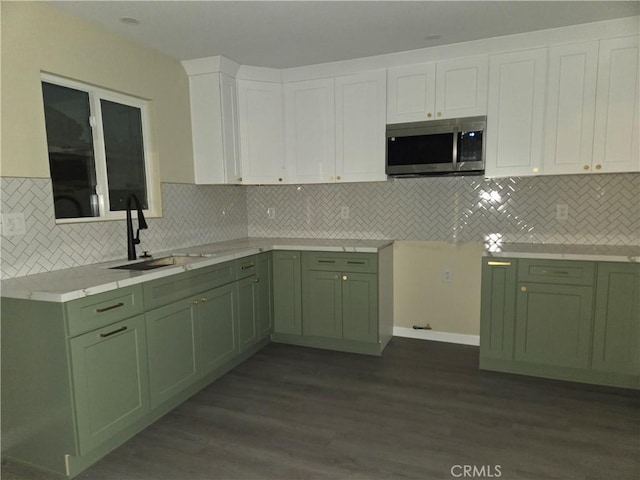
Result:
271,213
446,274
13,224
562,211
344,213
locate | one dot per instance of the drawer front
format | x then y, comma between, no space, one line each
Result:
247,266
96,311
176,287
340,262
563,272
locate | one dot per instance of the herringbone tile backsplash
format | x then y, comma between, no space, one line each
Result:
603,209
192,215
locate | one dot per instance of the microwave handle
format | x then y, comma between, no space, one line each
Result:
454,149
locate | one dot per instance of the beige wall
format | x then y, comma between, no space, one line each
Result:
420,296
37,37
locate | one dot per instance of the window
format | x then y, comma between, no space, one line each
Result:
98,151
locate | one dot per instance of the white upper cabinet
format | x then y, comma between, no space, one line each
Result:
615,141
214,128
515,116
261,122
449,89
412,93
571,96
360,127
461,87
310,131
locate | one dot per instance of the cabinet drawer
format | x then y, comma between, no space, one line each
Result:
176,287
89,313
342,262
247,266
563,272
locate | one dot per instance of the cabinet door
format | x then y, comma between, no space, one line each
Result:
217,317
261,131
498,308
553,324
515,113
570,108
172,341
615,140
265,296
287,293
111,389
310,128
360,127
322,304
461,87
360,307
248,311
616,335
411,93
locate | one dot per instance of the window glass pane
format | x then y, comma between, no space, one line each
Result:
71,159
124,148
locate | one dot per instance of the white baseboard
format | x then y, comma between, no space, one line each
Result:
437,336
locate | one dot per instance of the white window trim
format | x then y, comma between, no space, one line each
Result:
151,173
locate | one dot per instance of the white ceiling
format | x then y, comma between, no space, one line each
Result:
293,33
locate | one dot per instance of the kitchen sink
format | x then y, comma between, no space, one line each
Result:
159,262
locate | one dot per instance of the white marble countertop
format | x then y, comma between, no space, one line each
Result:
594,253
73,283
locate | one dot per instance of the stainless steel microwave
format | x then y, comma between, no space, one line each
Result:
439,147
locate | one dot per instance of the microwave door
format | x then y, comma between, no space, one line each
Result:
420,154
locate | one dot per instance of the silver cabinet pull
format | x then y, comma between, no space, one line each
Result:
117,330
498,264
106,309
256,280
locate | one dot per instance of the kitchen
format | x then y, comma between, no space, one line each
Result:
438,221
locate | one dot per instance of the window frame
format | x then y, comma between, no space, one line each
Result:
96,94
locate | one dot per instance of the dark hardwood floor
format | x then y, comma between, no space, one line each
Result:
417,412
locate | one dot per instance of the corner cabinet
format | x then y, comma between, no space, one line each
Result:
571,320
261,124
338,301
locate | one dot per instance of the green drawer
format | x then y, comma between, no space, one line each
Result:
247,266
564,272
176,287
341,262
96,311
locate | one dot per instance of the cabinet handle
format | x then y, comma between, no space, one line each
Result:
523,289
330,177
256,280
326,261
586,167
106,309
279,179
246,266
345,278
195,302
338,177
598,166
117,330
439,114
239,179
354,262
498,264
203,300
429,115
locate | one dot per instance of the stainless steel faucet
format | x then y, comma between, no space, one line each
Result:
142,225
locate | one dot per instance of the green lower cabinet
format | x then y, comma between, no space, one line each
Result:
265,296
217,323
248,311
322,304
616,329
360,307
111,389
287,293
553,324
172,333
498,307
